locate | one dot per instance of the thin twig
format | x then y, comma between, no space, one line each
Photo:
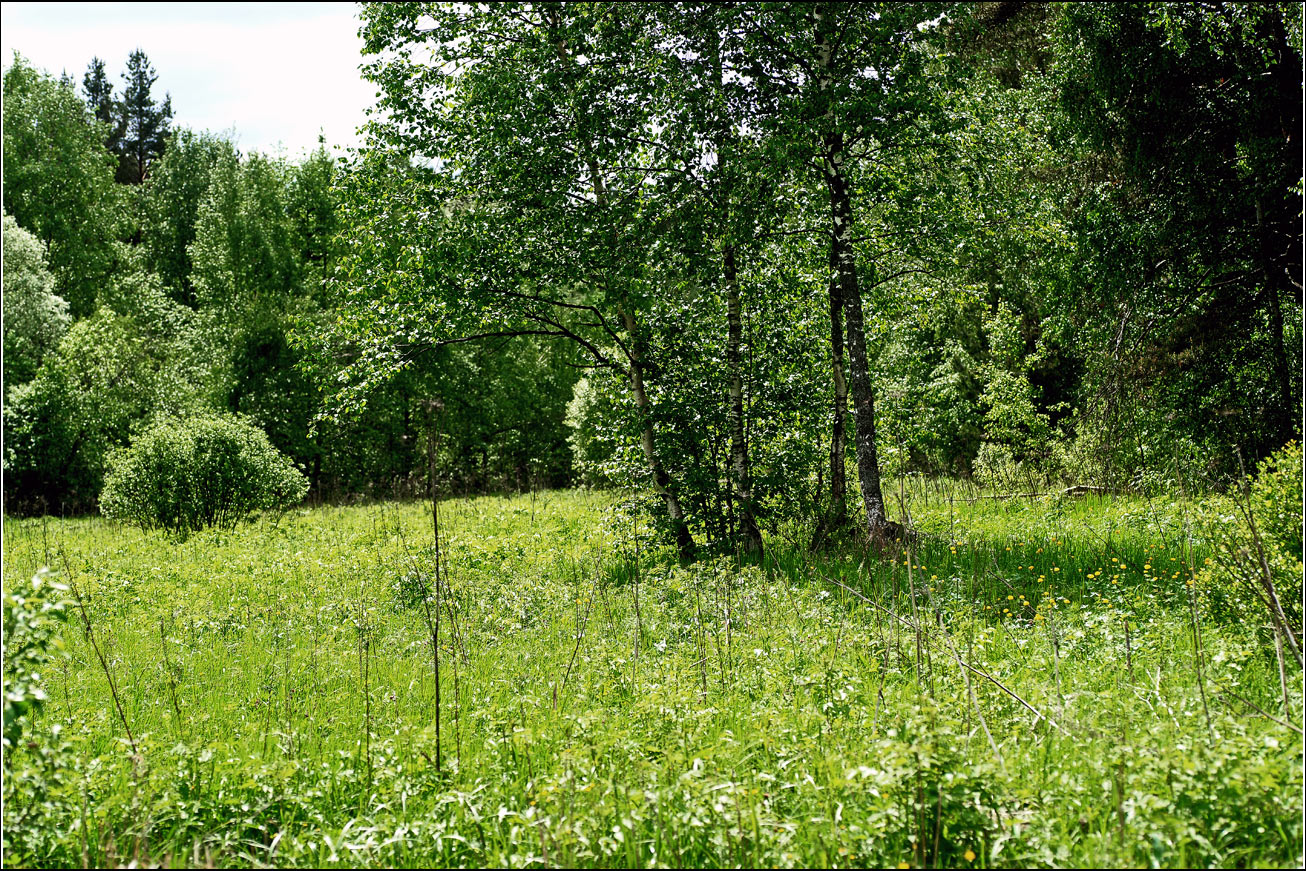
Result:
90,634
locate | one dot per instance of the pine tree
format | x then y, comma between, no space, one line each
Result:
146,125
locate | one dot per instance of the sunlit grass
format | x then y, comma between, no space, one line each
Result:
1037,701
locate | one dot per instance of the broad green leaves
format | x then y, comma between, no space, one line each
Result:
59,181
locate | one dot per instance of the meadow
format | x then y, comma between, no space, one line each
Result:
1029,682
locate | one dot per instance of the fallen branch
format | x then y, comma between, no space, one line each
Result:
1076,490
1038,715
1258,709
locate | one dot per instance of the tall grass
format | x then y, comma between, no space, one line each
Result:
1018,687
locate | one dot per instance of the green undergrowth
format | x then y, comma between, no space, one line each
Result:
1021,687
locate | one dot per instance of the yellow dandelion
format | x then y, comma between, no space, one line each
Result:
969,855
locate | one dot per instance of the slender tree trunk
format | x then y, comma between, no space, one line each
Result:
740,486
1278,223
863,396
835,512
845,267
837,438
838,476
725,511
662,484
752,536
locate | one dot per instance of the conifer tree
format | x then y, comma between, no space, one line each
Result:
146,125
99,99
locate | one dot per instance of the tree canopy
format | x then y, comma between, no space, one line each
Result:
733,256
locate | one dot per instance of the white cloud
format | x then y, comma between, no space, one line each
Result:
276,73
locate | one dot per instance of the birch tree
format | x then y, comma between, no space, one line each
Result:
533,115
847,85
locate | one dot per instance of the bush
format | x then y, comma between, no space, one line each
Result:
1236,580
38,789
595,435
32,641
207,471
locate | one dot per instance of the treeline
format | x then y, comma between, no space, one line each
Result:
804,246
154,274
750,259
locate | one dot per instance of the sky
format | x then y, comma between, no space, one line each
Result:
276,74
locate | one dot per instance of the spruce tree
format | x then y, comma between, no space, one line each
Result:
99,99
146,125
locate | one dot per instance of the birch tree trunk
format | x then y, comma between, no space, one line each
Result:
662,484
863,395
834,514
838,475
844,266
752,536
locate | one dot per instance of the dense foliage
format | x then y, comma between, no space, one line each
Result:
982,243
934,372
32,618
786,238
35,316
184,476
181,296
58,182
1255,573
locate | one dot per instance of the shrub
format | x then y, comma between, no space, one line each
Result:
32,641
598,436
38,790
207,471
1247,564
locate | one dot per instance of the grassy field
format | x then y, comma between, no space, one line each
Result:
1021,688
